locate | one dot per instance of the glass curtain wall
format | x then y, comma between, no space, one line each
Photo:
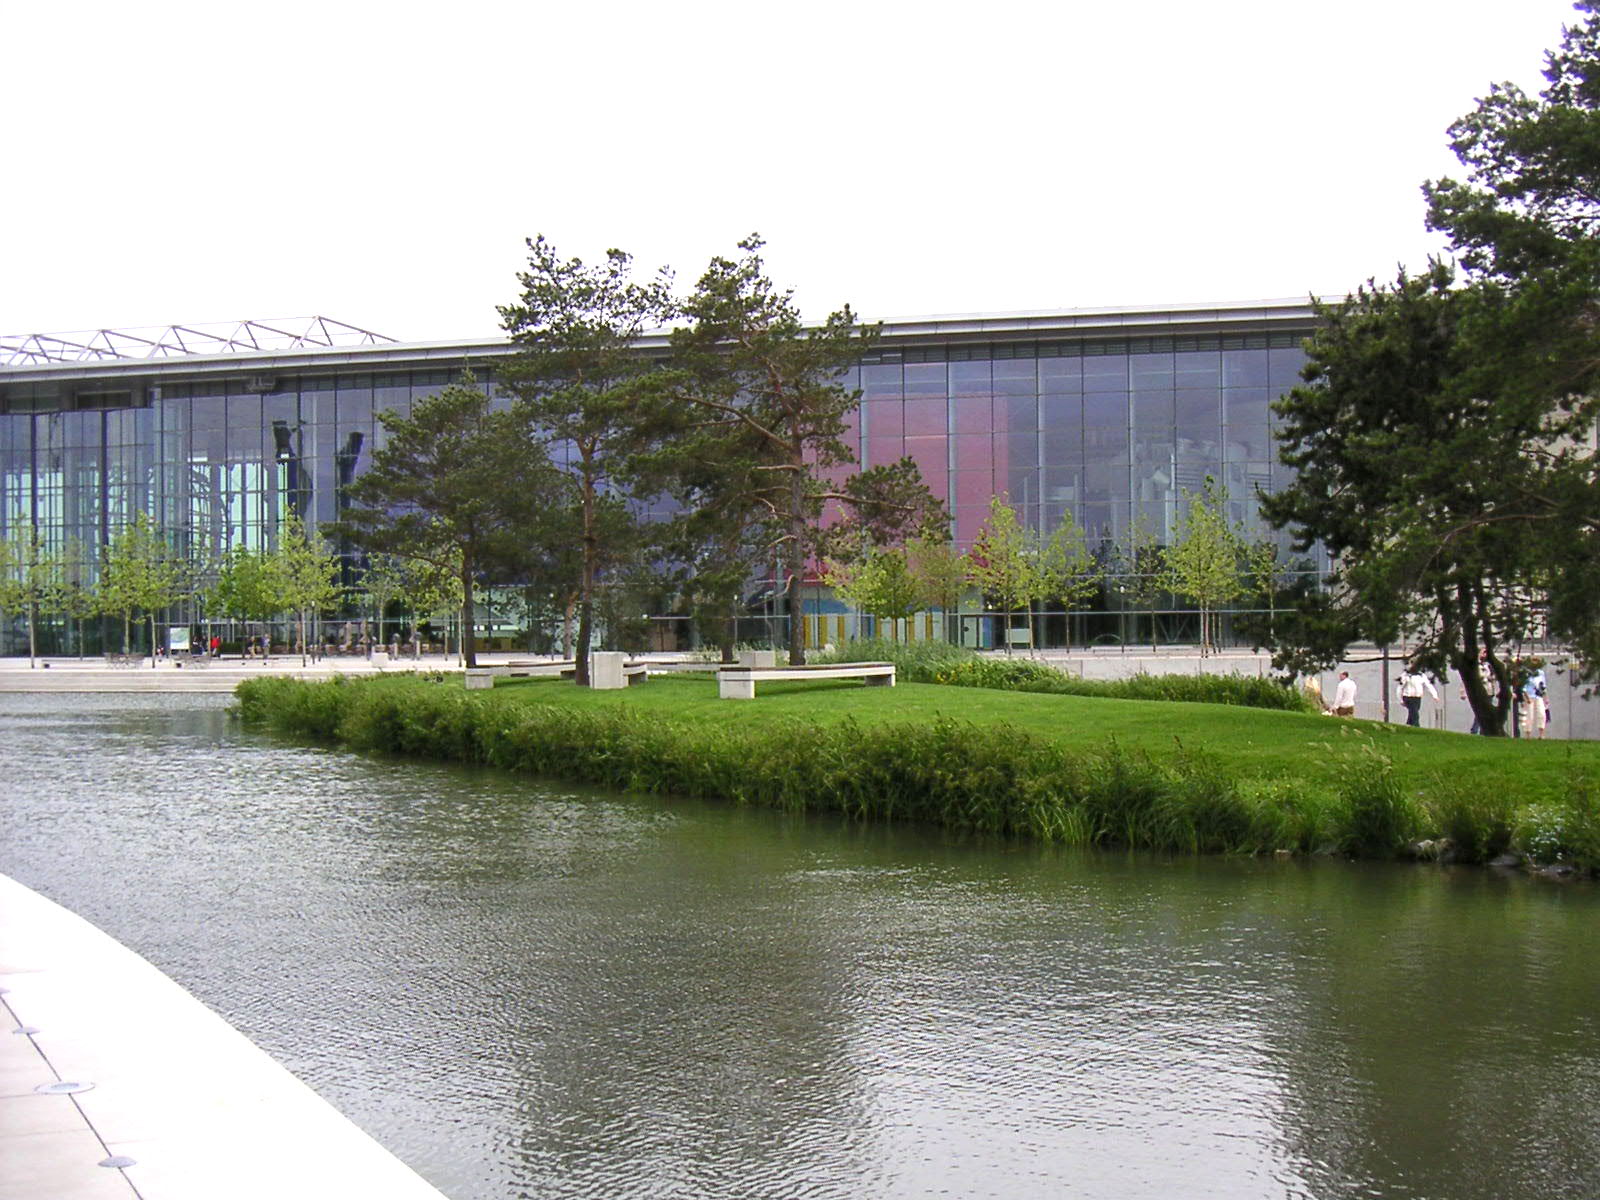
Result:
217,465
1116,432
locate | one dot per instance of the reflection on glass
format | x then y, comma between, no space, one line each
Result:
884,417
970,379
926,416
974,414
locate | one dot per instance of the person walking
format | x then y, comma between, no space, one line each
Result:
1344,696
1534,704
1412,685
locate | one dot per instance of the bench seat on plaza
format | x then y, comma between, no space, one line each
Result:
739,683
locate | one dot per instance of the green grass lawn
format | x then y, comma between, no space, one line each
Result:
1253,743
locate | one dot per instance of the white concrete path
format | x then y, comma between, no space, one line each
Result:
177,1104
217,675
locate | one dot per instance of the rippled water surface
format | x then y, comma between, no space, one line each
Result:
525,990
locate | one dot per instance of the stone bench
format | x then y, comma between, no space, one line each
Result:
606,670
739,683
484,677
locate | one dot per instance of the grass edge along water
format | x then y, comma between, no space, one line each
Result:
989,778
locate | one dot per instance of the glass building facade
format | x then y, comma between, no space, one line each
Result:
1110,416
1108,429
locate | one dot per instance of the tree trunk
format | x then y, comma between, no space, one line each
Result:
580,655
1486,711
795,605
152,641
795,562
469,647
33,635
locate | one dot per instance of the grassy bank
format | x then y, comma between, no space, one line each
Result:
1080,770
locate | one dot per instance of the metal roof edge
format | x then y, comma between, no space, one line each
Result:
1124,320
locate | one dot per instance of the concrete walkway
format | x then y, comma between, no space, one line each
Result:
209,675
117,1083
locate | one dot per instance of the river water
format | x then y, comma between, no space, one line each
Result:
534,991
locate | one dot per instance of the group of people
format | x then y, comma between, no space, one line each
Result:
1530,704
1412,685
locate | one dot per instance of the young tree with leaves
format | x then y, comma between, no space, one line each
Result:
382,582
459,486
78,598
140,574
433,590
250,588
1204,561
309,574
1003,563
30,581
1143,574
1068,570
1266,572
579,376
941,572
879,582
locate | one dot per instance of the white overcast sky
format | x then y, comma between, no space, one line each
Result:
382,163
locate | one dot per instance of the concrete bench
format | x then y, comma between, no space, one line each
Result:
484,677
659,666
739,683
618,674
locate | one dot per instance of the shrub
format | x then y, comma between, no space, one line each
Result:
1379,817
1289,816
1566,829
303,710
1542,832
940,662
1479,824
916,662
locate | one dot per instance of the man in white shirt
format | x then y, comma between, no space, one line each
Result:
1344,696
1412,685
